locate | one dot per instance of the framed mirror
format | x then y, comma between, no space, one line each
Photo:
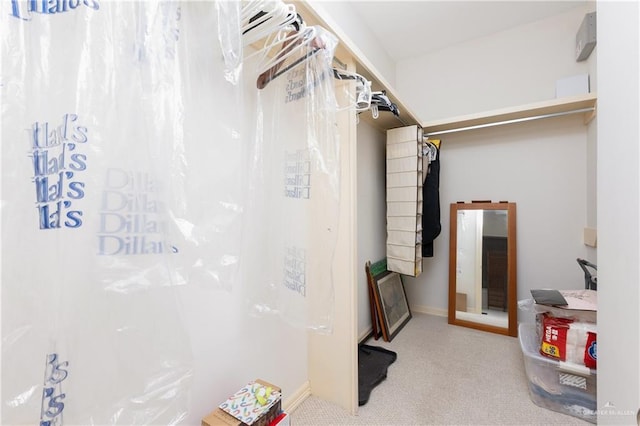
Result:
482,267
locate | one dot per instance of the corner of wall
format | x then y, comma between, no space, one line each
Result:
342,15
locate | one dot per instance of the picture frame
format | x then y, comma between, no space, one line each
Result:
391,299
374,306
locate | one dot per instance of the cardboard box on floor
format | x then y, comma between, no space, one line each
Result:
219,417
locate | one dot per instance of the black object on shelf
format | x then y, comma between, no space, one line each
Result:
548,297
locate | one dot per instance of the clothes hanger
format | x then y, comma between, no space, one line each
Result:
374,111
429,151
252,10
363,88
382,103
270,18
307,42
265,22
430,148
273,42
283,31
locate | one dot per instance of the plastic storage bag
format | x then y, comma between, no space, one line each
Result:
295,184
102,202
208,179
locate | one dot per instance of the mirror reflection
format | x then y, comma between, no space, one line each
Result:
482,270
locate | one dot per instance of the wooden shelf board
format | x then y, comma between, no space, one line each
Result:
513,113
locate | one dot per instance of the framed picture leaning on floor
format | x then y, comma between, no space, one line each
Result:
392,300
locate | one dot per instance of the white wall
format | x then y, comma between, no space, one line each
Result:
342,16
618,212
510,68
231,347
541,166
592,156
230,343
372,229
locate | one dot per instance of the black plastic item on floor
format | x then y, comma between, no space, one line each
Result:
372,369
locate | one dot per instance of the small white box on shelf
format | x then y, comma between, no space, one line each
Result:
572,86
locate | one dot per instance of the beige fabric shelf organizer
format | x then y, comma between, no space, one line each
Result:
404,200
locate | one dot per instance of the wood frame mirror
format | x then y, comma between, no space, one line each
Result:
482,267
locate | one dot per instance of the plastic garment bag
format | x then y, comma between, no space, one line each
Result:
295,186
207,169
104,211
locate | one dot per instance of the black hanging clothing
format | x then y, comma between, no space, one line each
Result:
431,207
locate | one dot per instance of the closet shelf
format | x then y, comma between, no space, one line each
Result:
581,104
347,48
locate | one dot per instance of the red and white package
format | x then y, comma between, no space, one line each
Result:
567,340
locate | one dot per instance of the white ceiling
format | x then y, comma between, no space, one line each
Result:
407,28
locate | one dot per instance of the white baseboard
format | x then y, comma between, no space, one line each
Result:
430,310
291,403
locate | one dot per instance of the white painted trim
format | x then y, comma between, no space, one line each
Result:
333,358
439,312
579,103
290,404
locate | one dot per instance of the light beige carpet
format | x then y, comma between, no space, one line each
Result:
444,375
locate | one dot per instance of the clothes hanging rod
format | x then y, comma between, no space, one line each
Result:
515,120
340,63
401,120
